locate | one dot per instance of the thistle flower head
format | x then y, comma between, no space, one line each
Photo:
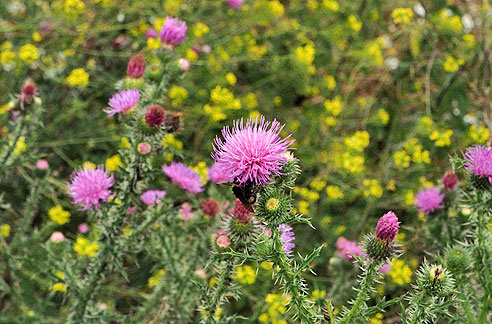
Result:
429,199
136,66
434,280
216,176
210,207
235,4
28,91
89,186
241,213
273,206
123,101
253,151
479,164
185,177
287,238
223,241
152,197
345,248
387,227
173,31
450,180
155,116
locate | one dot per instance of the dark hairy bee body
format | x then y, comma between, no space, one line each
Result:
246,194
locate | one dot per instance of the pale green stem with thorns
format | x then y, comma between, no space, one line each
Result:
366,284
11,148
293,283
219,291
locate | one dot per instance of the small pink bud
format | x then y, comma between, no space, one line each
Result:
207,49
57,237
184,64
83,228
387,227
144,148
42,164
132,210
185,211
223,241
201,273
450,179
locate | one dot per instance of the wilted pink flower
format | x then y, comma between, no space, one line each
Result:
185,211
346,247
479,161
29,90
150,33
132,210
223,241
152,197
252,152
123,101
89,186
136,66
42,164
216,175
429,199
155,115
235,4
185,177
241,213
173,31
184,64
57,237
450,179
210,207
83,228
207,49
387,227
144,148
287,238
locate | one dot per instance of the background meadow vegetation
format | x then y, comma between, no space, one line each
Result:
377,94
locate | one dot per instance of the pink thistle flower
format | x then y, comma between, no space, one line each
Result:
136,66
429,199
185,211
152,197
385,268
345,248
155,115
57,237
252,152
216,176
89,186
223,241
150,33
387,227
132,210
184,64
123,101
241,213
28,92
42,164
287,238
83,228
173,31
210,207
235,4
479,161
185,177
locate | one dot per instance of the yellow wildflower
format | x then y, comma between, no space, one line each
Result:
84,247
61,287
78,77
354,23
28,53
441,138
334,106
452,65
58,215
5,230
156,278
400,272
114,162
402,15
245,275
334,192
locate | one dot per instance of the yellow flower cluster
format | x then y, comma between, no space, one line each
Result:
372,188
170,140
358,142
452,65
177,95
330,82
5,230
354,23
412,151
221,100
317,294
334,106
402,15
441,138
334,192
305,55
200,29
307,194
156,278
479,134
331,5
20,146
400,272
448,23
73,7
58,215
245,275
275,309
201,169
78,78
28,53
113,163
84,247
383,116
318,184
376,319
61,287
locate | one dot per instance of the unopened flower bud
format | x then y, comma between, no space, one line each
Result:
184,64
223,241
457,259
450,179
274,206
136,66
210,207
144,148
155,115
57,237
387,227
42,164
28,92
434,280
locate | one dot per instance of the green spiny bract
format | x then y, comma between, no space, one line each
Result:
481,183
242,234
378,249
274,206
434,280
458,259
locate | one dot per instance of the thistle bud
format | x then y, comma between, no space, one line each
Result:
136,66
387,227
434,280
380,246
223,241
274,206
28,92
457,259
210,207
173,121
449,180
155,116
144,148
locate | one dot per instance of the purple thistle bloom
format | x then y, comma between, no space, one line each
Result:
287,238
150,33
387,227
216,176
345,248
185,177
252,152
235,4
152,197
173,31
88,186
429,199
123,101
479,161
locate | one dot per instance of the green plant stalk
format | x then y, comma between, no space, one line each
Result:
292,281
366,284
483,259
18,132
219,291
420,312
